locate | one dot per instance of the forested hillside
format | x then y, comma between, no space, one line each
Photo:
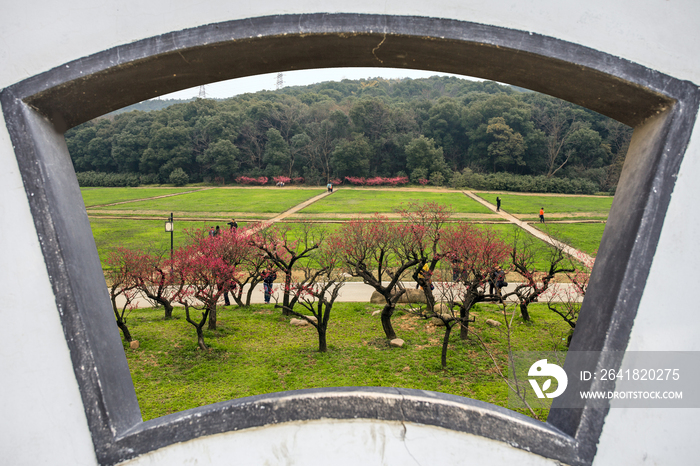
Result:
442,129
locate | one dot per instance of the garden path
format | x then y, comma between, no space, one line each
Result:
575,253
287,213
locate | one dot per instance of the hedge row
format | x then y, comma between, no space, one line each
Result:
523,183
114,180
466,179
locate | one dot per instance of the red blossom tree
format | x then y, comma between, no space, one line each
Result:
284,248
535,283
239,252
122,282
200,270
475,253
319,289
424,226
155,279
375,249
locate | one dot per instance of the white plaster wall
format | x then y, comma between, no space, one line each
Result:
41,413
41,417
350,443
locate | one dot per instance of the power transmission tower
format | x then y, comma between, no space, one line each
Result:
280,81
202,92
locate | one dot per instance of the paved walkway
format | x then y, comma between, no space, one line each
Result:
287,213
575,253
358,292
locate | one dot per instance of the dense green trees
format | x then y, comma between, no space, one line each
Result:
426,129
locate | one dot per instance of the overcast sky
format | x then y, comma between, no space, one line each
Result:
268,82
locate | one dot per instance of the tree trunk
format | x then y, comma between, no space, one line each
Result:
200,338
464,317
387,312
286,310
212,318
429,299
125,330
523,311
160,300
322,347
249,295
168,308
445,342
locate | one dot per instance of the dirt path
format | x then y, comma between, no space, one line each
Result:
287,213
575,253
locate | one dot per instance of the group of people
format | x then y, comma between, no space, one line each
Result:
498,209
214,231
497,280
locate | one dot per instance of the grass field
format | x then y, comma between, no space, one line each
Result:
101,196
264,200
147,235
346,201
583,236
531,203
255,351
135,233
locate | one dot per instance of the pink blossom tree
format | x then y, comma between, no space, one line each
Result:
534,283
476,253
201,270
375,249
319,288
122,282
155,279
284,248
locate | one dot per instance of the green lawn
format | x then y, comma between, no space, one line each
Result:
147,235
531,204
263,200
256,351
347,201
100,196
583,236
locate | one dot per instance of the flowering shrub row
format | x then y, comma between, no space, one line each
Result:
377,181
246,180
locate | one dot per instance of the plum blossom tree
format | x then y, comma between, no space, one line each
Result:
154,277
122,282
279,247
424,225
535,283
200,270
319,289
570,297
476,253
375,249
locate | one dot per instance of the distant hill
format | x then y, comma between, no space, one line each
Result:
150,105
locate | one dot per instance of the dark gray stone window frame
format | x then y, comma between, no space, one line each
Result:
40,109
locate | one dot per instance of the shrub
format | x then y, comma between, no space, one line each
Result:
419,174
107,180
178,177
246,180
437,178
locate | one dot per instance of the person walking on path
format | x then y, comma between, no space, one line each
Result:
268,277
330,187
498,204
541,214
